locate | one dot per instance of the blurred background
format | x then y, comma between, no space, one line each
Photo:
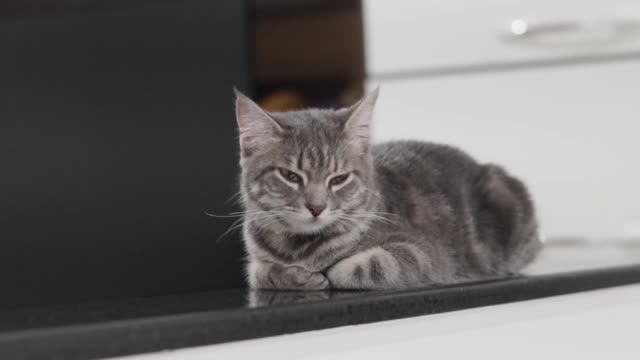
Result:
548,89
118,134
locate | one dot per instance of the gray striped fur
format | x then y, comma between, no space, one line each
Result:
411,213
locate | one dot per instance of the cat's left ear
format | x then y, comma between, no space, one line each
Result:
358,124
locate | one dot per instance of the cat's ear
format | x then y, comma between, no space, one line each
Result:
257,128
358,124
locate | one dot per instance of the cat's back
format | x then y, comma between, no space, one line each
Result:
428,165
476,211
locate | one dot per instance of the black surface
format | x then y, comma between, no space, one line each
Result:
143,325
117,133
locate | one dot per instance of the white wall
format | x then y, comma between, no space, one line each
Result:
572,133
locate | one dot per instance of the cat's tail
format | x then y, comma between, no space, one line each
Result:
511,198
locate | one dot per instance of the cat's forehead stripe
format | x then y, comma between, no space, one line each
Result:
320,157
333,163
310,157
299,163
317,157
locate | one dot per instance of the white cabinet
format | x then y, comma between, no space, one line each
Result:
439,35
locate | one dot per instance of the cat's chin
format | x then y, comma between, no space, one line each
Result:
308,226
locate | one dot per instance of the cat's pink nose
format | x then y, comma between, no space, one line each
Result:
316,210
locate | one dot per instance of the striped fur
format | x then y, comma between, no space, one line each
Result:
406,214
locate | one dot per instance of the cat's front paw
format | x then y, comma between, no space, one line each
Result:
346,274
270,276
300,278
371,269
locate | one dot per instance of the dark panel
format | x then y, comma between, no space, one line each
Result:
116,136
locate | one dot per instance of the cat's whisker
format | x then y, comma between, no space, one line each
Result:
349,220
236,225
344,224
381,218
235,198
381,215
222,216
262,216
233,214
375,217
248,215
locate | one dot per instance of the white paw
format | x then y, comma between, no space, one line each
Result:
341,275
371,269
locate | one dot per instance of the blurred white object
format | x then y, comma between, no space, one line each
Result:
519,27
573,33
440,35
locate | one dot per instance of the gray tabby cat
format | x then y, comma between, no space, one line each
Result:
325,209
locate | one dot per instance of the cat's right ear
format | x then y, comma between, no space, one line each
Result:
256,127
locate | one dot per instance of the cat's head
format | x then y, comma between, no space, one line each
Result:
305,170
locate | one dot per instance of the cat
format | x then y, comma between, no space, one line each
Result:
326,209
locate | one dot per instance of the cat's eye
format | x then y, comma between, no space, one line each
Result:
290,176
337,180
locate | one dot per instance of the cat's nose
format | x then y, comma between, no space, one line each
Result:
316,210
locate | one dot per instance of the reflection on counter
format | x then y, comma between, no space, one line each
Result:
558,256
